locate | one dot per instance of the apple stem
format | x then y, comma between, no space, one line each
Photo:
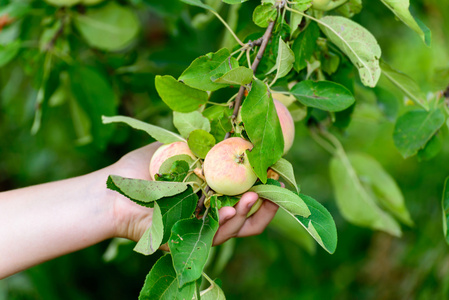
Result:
238,100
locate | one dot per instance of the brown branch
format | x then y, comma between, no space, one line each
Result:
238,100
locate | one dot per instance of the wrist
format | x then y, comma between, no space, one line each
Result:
128,219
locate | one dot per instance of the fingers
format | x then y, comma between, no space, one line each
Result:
230,227
225,214
256,224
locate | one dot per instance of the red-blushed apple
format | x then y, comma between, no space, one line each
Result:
227,169
164,152
287,124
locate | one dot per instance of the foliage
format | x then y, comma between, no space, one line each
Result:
64,67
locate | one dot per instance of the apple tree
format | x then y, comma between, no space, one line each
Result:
233,113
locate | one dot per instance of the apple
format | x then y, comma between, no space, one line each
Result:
164,152
326,5
287,124
227,169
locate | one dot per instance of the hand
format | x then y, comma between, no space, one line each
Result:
234,223
133,219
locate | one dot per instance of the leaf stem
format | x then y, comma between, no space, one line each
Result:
208,279
228,28
216,103
322,142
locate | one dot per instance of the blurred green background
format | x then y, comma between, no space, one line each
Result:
366,265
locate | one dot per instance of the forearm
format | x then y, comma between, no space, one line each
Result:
42,222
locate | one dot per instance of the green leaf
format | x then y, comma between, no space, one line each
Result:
168,163
286,199
354,201
234,1
406,84
319,224
264,14
198,3
304,46
96,97
263,128
160,134
357,43
287,226
175,208
415,128
190,244
401,9
350,8
8,52
284,60
15,10
220,119
200,142
63,2
152,238
144,191
431,149
161,283
177,172
109,27
237,76
296,19
445,207
226,200
188,122
178,96
325,95
381,185
213,292
285,169
198,74
41,98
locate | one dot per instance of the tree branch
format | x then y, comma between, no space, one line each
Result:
238,100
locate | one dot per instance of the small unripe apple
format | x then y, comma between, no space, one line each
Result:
227,169
164,152
255,208
326,5
287,124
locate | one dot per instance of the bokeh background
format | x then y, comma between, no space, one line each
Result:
366,265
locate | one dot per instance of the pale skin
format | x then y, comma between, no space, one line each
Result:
42,222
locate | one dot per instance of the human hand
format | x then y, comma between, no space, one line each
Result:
132,219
